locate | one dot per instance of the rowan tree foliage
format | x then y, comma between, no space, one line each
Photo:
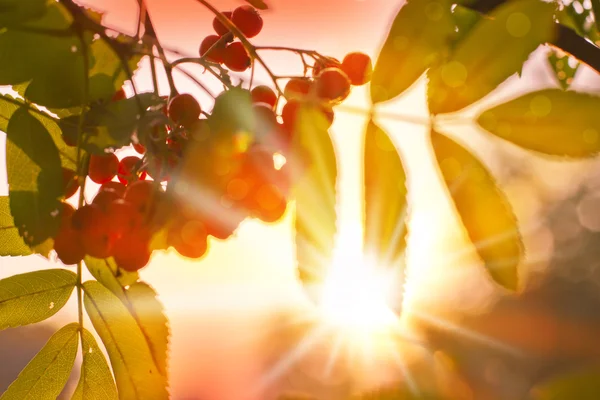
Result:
202,169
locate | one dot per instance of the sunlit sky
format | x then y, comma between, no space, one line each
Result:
245,290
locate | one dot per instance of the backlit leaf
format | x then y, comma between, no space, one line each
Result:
136,374
95,381
150,316
110,276
385,198
580,385
15,12
596,10
34,178
494,49
314,166
47,373
11,243
551,121
561,65
418,34
259,4
34,296
483,208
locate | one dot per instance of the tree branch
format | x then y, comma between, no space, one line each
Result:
566,39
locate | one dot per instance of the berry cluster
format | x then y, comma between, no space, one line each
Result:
198,173
222,48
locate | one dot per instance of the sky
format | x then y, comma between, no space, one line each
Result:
233,311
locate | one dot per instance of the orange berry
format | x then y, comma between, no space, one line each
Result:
119,95
247,20
189,238
68,247
184,109
104,197
132,251
264,94
94,230
140,148
219,27
297,88
332,85
116,186
103,167
236,57
217,51
122,217
141,195
358,67
324,63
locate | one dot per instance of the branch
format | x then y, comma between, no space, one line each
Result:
566,39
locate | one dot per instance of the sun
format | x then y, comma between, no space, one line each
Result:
356,292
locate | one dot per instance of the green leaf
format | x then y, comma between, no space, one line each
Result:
34,296
149,314
596,11
34,178
562,68
315,194
536,121
136,374
11,243
233,112
385,198
110,276
110,126
580,385
465,19
420,31
15,12
493,50
23,52
96,381
46,375
483,208
9,104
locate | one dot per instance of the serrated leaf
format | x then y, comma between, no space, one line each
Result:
580,385
11,243
15,12
483,208
47,373
314,193
34,296
110,126
110,276
60,82
536,121
385,198
465,19
96,381
563,71
494,49
149,314
9,104
260,4
420,31
136,374
34,178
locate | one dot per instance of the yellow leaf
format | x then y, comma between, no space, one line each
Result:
551,121
96,381
483,208
493,50
580,385
385,198
419,32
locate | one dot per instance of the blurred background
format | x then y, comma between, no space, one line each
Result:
241,325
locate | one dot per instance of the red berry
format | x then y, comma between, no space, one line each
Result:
269,203
359,68
140,148
115,186
119,95
105,197
247,20
189,238
122,217
297,88
219,27
184,109
332,85
68,247
236,57
127,170
264,94
141,195
132,251
94,230
70,182
290,111
217,51
324,63
103,167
